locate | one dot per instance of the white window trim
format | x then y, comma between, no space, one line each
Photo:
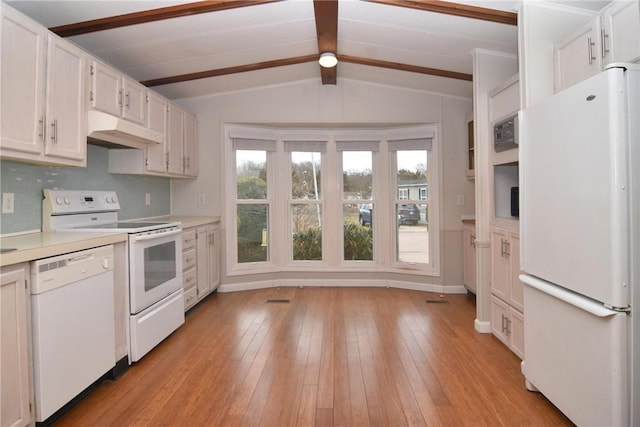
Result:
280,256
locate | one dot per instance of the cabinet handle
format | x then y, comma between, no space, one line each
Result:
507,249
43,128
603,38
504,327
590,45
126,97
508,326
502,252
54,133
120,98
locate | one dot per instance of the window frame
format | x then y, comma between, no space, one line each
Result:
279,200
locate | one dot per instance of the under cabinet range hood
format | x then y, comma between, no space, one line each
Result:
110,131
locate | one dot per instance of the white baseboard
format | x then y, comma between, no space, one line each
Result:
342,283
482,327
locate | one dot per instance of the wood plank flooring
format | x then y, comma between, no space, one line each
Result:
329,357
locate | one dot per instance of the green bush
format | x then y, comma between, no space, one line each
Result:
307,244
358,243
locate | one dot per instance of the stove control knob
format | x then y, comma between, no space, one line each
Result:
109,199
105,263
59,200
67,201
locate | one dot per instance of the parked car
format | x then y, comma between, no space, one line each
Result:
365,215
408,214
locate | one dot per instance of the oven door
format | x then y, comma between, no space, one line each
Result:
155,267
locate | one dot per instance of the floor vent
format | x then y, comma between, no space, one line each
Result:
437,301
278,300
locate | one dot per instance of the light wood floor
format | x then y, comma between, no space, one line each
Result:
330,357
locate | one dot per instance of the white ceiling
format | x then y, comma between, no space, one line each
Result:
281,30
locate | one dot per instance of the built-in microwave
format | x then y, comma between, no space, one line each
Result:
505,134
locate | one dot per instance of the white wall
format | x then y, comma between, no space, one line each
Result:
349,102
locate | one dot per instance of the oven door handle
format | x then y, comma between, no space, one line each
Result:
155,236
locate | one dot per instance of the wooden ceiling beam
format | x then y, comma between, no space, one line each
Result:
456,9
152,15
326,14
405,67
230,70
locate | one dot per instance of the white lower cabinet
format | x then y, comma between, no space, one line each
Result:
507,301
14,348
200,263
189,268
469,256
208,255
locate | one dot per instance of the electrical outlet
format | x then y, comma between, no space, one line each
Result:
202,199
8,203
147,199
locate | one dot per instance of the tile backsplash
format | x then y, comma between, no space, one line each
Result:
26,181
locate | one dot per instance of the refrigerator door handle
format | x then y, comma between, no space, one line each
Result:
576,300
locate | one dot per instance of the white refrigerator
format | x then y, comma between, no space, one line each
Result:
580,247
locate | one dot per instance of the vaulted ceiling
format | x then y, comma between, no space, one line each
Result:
184,49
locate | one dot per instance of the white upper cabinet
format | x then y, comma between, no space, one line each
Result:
578,56
175,139
22,76
117,94
157,121
43,88
66,111
612,36
621,32
190,145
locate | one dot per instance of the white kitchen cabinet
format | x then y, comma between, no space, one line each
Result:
156,160
208,250
469,255
43,87
507,301
175,139
621,37
189,268
190,146
116,94
14,351
176,158
611,36
507,324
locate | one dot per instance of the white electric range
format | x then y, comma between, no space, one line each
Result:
156,299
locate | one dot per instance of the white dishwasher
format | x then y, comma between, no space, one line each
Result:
72,309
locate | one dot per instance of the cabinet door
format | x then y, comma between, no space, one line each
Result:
66,114
134,99
499,264
516,332
578,56
203,248
214,257
157,121
516,292
106,89
22,68
500,319
190,146
469,255
175,138
621,36
14,357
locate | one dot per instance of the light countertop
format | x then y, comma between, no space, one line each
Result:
34,246
37,245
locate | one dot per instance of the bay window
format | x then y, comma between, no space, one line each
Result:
315,200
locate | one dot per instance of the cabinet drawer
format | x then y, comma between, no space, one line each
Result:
188,259
190,298
188,239
189,279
